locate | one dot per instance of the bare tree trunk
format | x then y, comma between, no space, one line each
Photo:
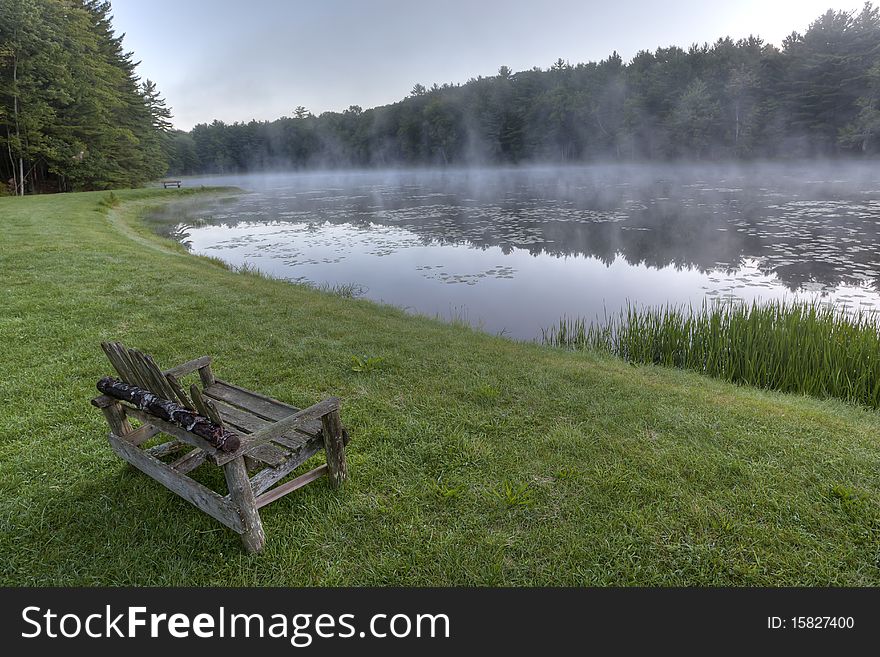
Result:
11,158
20,181
736,134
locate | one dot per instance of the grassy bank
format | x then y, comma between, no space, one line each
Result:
804,348
474,460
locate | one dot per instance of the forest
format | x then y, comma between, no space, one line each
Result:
74,114
816,96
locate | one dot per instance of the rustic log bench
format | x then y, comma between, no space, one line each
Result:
171,183
257,440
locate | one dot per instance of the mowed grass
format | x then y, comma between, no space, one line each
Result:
473,460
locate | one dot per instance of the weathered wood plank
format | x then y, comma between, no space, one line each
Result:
131,365
155,382
141,435
268,454
213,413
260,405
188,367
189,461
245,422
161,381
103,401
295,439
296,420
334,445
166,448
290,486
279,429
193,492
115,416
240,420
268,477
118,357
173,430
158,384
179,391
205,406
140,372
242,496
110,351
206,375
198,400
303,420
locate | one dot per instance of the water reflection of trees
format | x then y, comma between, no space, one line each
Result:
659,224
699,233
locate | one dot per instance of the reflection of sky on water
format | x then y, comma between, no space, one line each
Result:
513,251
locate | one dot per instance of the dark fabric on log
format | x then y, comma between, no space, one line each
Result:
219,437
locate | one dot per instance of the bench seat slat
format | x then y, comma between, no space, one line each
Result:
265,408
269,454
247,423
261,406
240,420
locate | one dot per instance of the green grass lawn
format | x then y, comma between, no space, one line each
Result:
473,460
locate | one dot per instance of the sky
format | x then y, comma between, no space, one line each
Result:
237,60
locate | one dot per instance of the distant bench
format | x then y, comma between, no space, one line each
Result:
171,183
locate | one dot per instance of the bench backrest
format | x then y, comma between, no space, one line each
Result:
139,369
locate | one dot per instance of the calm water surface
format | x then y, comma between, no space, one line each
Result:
513,250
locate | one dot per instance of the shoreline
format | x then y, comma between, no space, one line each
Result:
632,475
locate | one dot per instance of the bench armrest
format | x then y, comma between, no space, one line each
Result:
290,423
189,367
103,401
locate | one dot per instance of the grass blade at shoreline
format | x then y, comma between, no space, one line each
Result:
806,348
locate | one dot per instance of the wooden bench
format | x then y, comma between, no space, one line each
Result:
257,441
171,183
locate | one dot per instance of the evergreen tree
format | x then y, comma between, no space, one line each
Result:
73,114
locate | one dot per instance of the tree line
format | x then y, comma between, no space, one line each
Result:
73,113
816,95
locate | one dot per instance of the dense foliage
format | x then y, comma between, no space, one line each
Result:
817,95
73,114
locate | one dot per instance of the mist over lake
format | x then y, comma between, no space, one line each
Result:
513,250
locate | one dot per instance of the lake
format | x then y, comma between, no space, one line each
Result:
512,250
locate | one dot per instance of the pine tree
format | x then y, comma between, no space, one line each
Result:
73,114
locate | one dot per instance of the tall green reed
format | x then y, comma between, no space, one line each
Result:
806,348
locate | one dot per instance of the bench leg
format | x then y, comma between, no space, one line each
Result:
115,416
334,445
242,496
